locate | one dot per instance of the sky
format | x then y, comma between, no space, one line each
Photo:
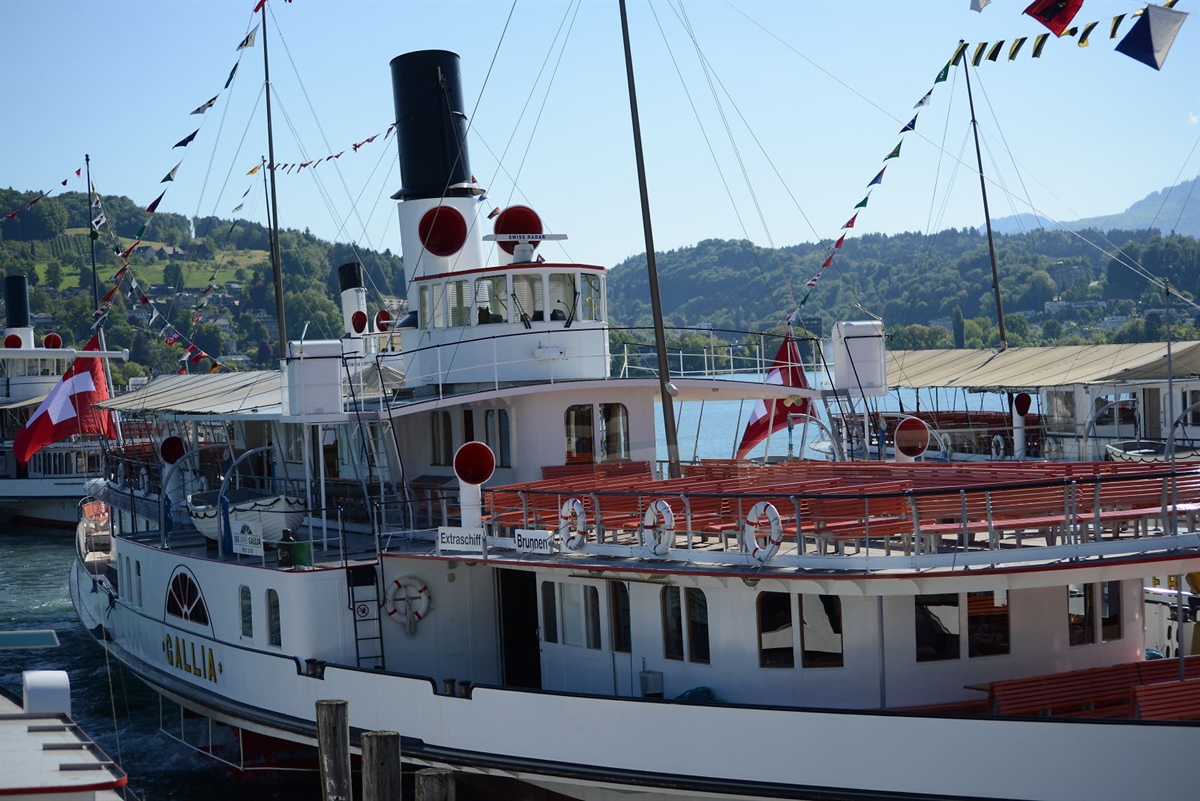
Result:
777,143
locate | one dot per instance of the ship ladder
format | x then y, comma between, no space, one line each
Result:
363,597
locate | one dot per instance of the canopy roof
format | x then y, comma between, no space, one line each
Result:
251,392
1036,368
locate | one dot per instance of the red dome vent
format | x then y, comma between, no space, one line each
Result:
443,231
52,341
358,321
517,220
12,341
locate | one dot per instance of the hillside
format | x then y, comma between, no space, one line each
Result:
1175,209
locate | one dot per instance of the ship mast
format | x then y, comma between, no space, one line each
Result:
987,217
666,388
276,266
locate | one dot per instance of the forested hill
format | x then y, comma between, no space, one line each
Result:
911,279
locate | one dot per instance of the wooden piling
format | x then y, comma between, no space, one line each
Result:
381,779
435,784
333,743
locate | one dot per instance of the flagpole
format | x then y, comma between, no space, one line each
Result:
666,388
987,217
276,266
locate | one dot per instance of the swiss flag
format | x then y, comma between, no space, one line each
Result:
67,410
769,416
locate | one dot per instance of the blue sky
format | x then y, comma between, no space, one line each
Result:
821,87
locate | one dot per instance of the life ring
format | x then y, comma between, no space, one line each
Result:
572,516
407,601
659,526
762,511
997,447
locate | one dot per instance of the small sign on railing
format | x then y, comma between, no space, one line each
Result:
247,538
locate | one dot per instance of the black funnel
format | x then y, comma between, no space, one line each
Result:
16,298
350,276
431,125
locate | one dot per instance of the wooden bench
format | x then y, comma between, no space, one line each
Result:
1095,692
1170,700
880,511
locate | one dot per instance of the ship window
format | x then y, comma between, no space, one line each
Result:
458,303
562,295
589,297
274,629
821,631
618,594
676,635
549,613
1110,611
491,300
775,630
527,297
468,425
495,423
443,439
1081,614
247,612
580,434
580,615
184,599
987,623
137,570
937,627
125,581
614,432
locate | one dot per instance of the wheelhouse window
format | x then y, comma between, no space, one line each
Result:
775,649
247,612
821,631
496,435
619,616
582,435
458,303
441,432
185,601
1110,611
937,627
491,300
562,296
987,623
685,634
274,626
549,613
528,302
589,298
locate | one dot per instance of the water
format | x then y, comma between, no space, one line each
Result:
120,713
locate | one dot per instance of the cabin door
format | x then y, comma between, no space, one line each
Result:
1151,413
521,664
576,648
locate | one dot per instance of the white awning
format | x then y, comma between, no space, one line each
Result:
21,404
219,394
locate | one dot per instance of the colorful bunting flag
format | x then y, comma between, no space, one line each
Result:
924,101
850,222
205,106
878,179
257,167
185,141
912,126
1054,14
248,41
237,208
99,221
828,262
1039,43
895,154
945,73
229,80
171,175
862,204
1016,47
153,207
1151,37
838,244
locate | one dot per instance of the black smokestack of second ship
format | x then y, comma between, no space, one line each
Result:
438,209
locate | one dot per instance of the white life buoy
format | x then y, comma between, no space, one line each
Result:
658,524
761,512
997,447
572,518
407,602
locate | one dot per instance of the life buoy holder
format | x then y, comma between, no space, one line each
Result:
997,447
407,602
658,526
763,511
572,518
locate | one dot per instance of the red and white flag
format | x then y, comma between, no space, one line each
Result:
768,416
67,410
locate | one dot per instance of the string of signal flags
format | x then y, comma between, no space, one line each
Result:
1148,41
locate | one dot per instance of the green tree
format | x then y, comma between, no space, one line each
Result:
960,331
173,275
